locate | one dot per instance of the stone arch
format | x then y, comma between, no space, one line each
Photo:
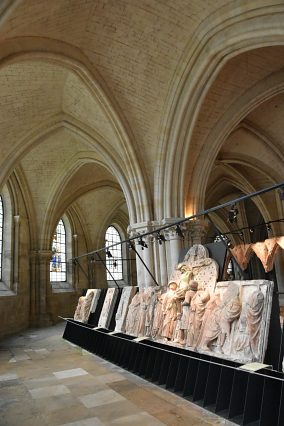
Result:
53,51
220,37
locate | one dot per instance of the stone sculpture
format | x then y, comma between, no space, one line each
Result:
108,307
171,308
132,319
158,317
122,310
195,316
84,307
183,325
265,251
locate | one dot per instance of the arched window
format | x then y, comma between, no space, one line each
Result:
58,261
113,255
1,234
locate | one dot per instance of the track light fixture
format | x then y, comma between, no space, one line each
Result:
142,243
161,238
233,213
108,253
179,231
229,243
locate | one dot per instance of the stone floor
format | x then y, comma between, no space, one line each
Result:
45,380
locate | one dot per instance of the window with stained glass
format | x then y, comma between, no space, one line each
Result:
113,255
1,234
58,261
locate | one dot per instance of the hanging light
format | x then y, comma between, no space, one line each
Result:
108,253
233,213
161,238
142,243
179,231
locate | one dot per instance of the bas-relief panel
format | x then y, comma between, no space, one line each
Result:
97,293
84,305
227,319
121,313
108,307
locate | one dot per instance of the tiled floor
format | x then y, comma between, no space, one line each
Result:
46,381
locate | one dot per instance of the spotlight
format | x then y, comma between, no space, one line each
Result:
161,238
233,213
179,231
108,253
251,230
268,227
142,243
229,243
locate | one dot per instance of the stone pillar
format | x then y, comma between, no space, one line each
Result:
176,244
16,253
75,268
196,231
146,254
149,261
44,286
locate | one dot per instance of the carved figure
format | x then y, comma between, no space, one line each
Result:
171,308
196,314
220,316
184,316
133,316
158,316
255,305
151,302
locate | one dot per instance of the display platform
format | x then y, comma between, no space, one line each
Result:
219,385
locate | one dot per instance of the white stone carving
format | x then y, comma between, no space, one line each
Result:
83,309
121,313
97,293
108,307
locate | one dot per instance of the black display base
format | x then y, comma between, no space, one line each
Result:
218,385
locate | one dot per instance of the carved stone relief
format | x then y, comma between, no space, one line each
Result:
97,293
84,307
122,310
108,307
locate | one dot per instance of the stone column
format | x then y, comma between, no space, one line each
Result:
146,254
16,253
149,261
176,244
75,269
45,289
196,231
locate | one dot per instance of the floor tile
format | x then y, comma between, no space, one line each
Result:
101,398
92,421
64,374
49,391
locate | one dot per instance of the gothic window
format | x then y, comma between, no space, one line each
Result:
1,234
58,261
113,255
